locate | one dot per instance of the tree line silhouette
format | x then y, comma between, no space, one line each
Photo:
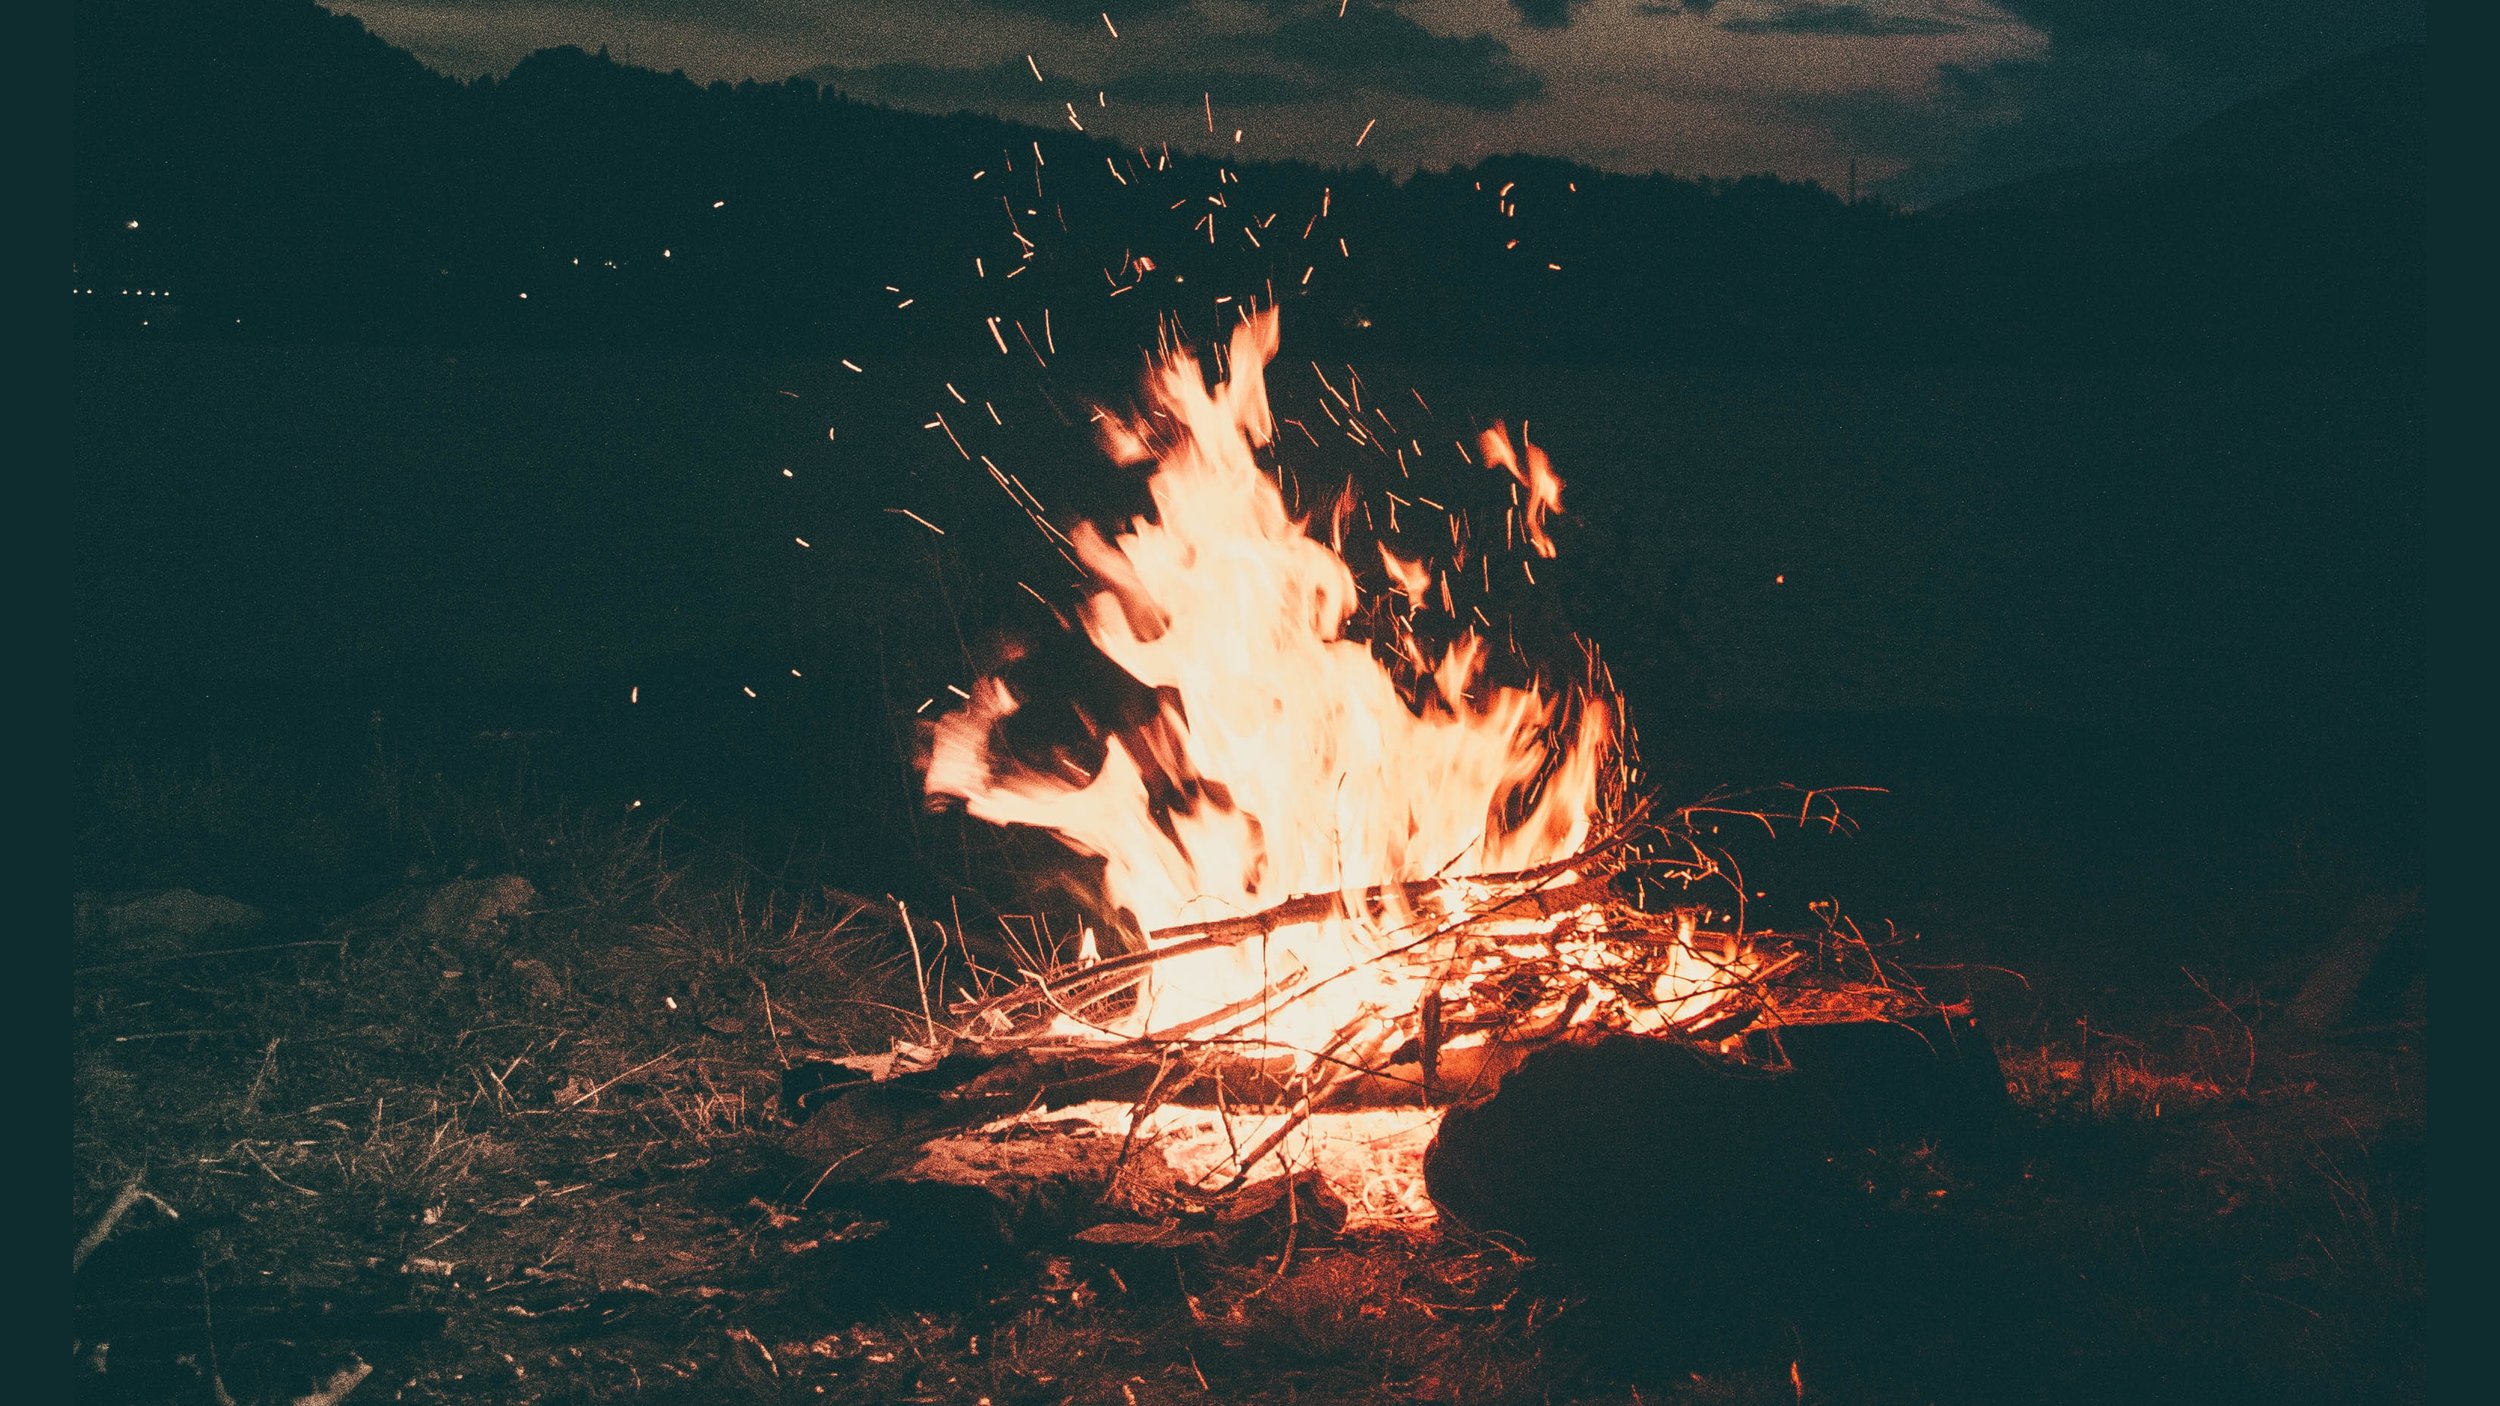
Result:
267,169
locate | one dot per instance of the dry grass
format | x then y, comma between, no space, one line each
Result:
542,1159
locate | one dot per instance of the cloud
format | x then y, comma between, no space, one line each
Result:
1373,46
1172,87
2277,40
2117,78
1837,20
932,85
923,85
1297,53
739,16
1548,14
1089,12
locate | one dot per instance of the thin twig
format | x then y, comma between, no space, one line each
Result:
165,957
580,1099
131,1194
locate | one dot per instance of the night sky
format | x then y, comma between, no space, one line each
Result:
1930,97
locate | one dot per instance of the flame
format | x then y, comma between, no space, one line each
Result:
1283,759
1536,474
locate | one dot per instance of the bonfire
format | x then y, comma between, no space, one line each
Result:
1350,878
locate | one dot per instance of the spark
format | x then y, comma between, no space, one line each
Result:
1037,68
924,522
1367,130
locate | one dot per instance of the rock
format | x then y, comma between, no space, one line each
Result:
1929,1076
165,919
2367,968
544,984
1655,1171
457,914
466,910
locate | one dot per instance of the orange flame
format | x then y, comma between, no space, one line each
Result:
1284,758
1536,475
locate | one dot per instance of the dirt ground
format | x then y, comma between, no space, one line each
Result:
412,1091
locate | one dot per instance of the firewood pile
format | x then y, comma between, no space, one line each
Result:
1038,1108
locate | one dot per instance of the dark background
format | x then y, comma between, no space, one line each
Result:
2098,499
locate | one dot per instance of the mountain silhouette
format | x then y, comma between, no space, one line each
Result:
268,169
2353,131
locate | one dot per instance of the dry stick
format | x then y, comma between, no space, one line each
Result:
335,1390
1314,1093
132,1193
1547,902
2249,1074
268,1061
1186,938
917,973
213,952
208,1331
581,1099
254,1154
778,1052
1226,932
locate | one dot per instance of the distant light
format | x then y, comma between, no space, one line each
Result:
130,224
525,295
668,254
